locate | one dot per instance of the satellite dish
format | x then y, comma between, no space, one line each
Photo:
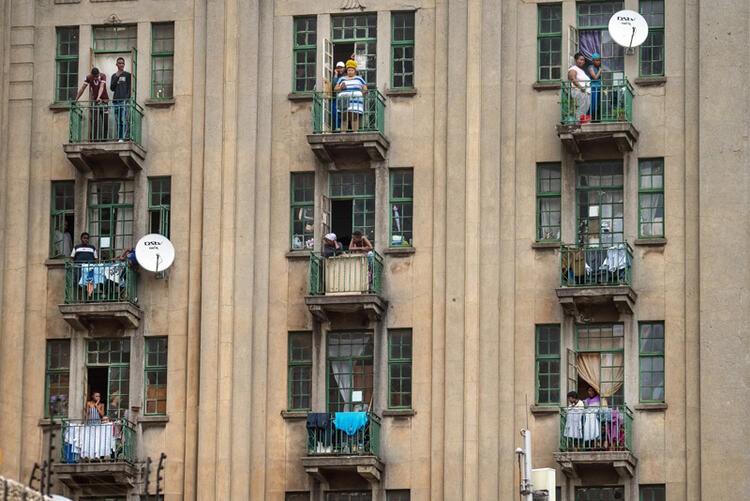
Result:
628,28
154,252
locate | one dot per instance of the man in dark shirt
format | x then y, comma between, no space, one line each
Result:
84,253
97,84
120,85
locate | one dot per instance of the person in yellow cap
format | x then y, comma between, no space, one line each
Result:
350,100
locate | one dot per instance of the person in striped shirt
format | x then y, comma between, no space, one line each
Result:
350,99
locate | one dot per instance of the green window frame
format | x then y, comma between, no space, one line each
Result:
57,378
651,198
402,50
299,371
162,60
401,200
548,201
361,30
297,496
155,377
397,495
350,368
400,352
120,38
115,355
66,64
600,203
608,340
305,53
548,364
651,361
159,203
62,210
651,52
594,16
359,187
301,209
110,209
549,42
652,492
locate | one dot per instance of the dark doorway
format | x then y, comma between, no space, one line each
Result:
342,52
97,381
341,220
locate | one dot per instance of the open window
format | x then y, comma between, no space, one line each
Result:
352,205
598,362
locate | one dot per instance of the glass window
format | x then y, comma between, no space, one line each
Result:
57,378
62,217
652,50
651,198
300,371
110,208
113,357
651,361
401,202
600,347
305,52
402,50
348,496
66,62
398,495
155,376
350,370
548,364
599,203
613,493
120,38
359,189
593,36
159,199
399,368
549,42
301,209
297,496
548,199
360,32
653,492
162,60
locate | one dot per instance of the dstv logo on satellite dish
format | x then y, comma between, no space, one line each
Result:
152,244
625,18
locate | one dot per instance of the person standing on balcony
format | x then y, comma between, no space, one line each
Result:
352,89
331,247
96,82
120,85
573,421
84,253
592,425
338,73
359,243
94,409
595,74
579,87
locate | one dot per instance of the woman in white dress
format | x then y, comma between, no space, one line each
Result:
573,428
580,91
592,425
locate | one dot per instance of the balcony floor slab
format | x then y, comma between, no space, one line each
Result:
372,305
576,137
575,464
83,316
331,146
106,158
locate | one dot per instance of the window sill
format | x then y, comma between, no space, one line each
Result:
299,96
153,420
545,245
542,86
401,92
159,103
294,415
399,413
541,410
655,407
49,424
650,241
399,251
296,254
55,262
59,107
650,81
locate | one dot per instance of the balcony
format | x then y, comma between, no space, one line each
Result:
610,123
98,143
97,459
329,139
348,283
343,441
100,292
596,439
594,275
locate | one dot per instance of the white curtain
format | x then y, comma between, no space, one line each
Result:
343,370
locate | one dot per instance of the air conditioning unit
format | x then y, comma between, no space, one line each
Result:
543,482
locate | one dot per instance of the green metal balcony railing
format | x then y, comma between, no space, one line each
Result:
596,429
105,282
335,111
612,102
87,442
353,273
596,265
324,438
107,122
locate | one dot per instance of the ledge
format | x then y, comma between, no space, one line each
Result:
55,262
153,420
544,409
650,81
399,413
650,241
159,103
59,107
399,251
296,254
654,407
294,415
293,96
542,86
49,424
401,92
545,245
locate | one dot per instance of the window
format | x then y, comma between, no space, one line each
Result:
548,364
297,496
549,42
593,36
162,61
599,352
399,369
349,383
57,378
352,196
651,361
548,186
62,217
614,493
120,38
110,207
652,50
66,62
159,198
599,205
653,492
401,200
302,209
357,34
305,40
651,198
348,496
155,376
108,368
402,50
300,371
398,495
